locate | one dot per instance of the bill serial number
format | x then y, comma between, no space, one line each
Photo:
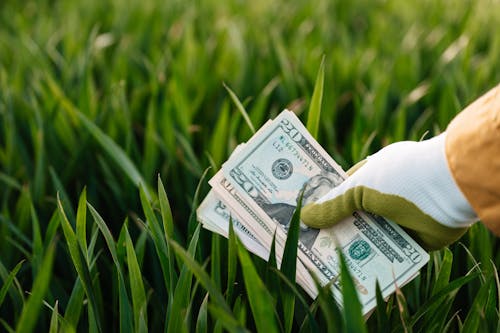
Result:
281,144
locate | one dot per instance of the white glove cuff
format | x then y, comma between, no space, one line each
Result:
453,210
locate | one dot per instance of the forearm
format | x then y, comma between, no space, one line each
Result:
473,154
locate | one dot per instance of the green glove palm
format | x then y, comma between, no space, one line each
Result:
406,182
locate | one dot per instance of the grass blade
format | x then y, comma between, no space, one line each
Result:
61,192
189,159
75,302
51,229
202,320
261,302
139,301
6,326
81,218
166,211
475,316
37,243
79,262
403,311
8,281
32,307
193,222
292,286
168,229
10,181
443,277
353,317
328,306
240,310
114,151
108,237
449,291
232,255
227,320
180,298
314,113
54,323
289,267
240,108
215,260
126,315
382,318
204,279
220,134
74,306
159,240
270,278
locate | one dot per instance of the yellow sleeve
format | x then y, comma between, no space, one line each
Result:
473,153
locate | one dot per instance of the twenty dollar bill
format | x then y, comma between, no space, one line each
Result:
262,183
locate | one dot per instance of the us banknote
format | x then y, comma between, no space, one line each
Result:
216,216
262,183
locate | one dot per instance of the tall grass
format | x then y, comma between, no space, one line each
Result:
111,113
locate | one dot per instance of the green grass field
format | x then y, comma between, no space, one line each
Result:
111,113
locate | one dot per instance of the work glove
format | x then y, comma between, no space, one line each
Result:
406,182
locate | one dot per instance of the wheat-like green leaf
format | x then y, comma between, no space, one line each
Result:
61,193
139,301
159,235
382,317
240,107
260,300
314,114
8,281
215,262
225,320
473,321
114,151
443,276
202,320
297,295
37,244
75,304
232,257
449,291
124,303
10,181
289,266
31,309
81,221
181,294
54,323
168,229
205,280
271,280
52,228
328,305
79,263
220,134
404,314
353,318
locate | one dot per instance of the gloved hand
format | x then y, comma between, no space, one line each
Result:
406,182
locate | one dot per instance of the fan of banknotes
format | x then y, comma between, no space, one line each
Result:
258,188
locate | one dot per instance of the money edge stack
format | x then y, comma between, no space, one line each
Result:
216,210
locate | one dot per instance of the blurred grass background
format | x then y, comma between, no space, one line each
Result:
110,94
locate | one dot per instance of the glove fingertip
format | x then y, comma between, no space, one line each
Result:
312,215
